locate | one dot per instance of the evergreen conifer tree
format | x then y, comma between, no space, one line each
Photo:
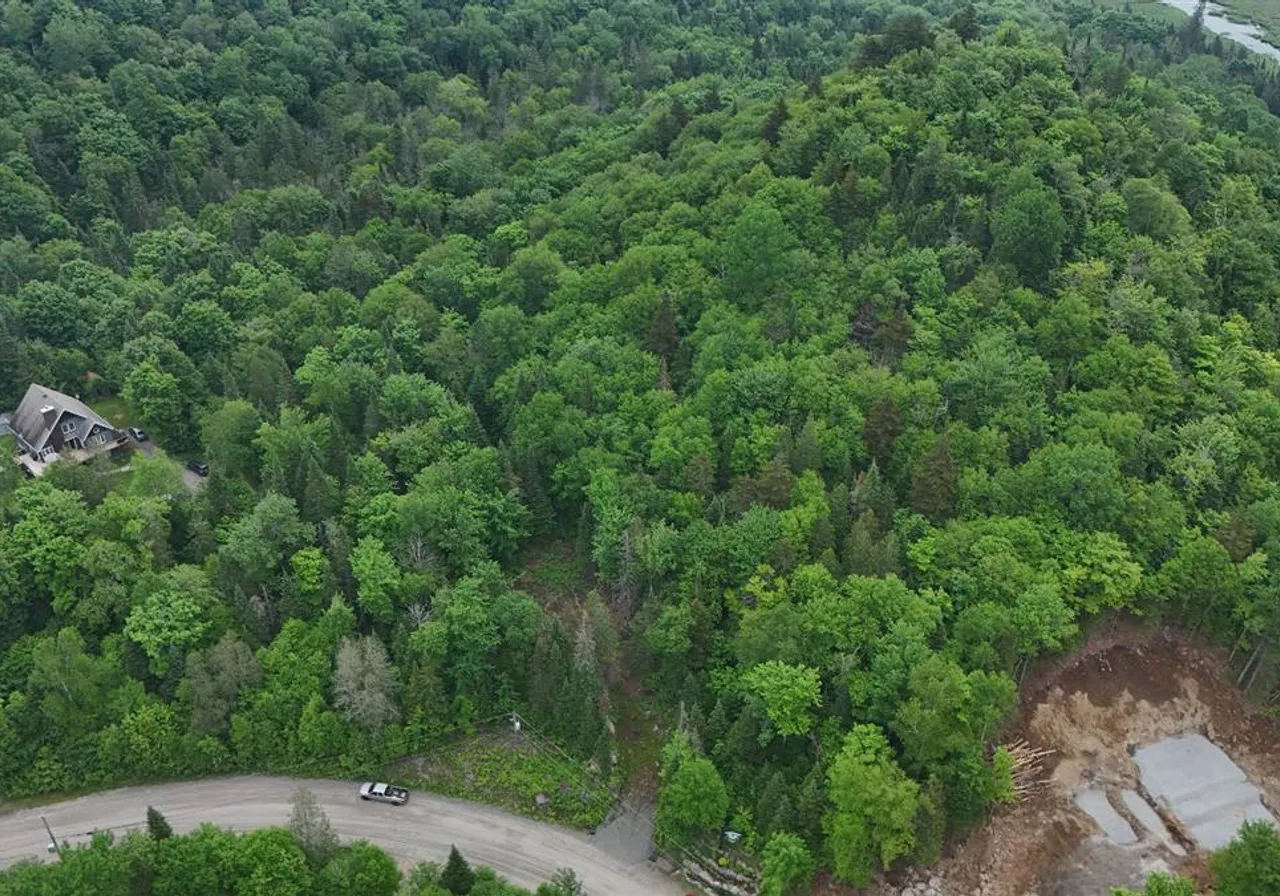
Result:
457,876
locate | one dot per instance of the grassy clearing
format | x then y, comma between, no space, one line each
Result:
641,734
554,575
510,771
1263,13
112,407
1150,8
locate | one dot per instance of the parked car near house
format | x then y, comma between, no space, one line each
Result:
138,435
199,467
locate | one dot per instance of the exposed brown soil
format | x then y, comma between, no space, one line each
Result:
1128,685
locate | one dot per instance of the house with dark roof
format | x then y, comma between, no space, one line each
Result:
49,425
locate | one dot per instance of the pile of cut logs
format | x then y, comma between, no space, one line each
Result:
1028,768
714,879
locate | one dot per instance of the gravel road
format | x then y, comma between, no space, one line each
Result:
526,852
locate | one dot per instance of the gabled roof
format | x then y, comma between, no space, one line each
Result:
41,411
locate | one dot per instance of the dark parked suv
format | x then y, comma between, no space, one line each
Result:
199,467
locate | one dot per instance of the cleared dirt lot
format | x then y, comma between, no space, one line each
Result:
1127,687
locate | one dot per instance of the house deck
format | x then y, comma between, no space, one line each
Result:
30,465
36,468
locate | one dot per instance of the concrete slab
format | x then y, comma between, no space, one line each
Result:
1208,793
1096,805
1150,819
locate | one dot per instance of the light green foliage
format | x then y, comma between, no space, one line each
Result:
479,634
177,617
49,537
1154,212
293,455
160,401
873,806
787,866
1250,864
692,800
270,861
758,254
363,869
377,577
790,694
1161,885
949,712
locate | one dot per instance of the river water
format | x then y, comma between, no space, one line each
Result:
1216,21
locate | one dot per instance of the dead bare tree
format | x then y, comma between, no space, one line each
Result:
364,683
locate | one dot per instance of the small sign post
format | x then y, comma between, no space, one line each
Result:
53,841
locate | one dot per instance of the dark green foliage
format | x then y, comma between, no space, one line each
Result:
771,130
157,826
457,876
903,33
934,481
965,23
663,338
1028,228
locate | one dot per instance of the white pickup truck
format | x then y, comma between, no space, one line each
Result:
384,793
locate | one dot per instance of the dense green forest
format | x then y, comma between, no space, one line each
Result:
855,355
306,859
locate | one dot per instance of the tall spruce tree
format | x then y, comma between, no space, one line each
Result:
157,825
457,876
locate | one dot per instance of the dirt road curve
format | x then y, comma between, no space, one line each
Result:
525,852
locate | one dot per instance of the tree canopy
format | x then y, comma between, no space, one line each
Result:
806,366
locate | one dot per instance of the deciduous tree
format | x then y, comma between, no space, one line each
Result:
692,800
873,806
790,694
787,866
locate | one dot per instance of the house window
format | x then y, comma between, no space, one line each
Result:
98,438
68,427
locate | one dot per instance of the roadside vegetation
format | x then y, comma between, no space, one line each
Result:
305,859
848,357
516,773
